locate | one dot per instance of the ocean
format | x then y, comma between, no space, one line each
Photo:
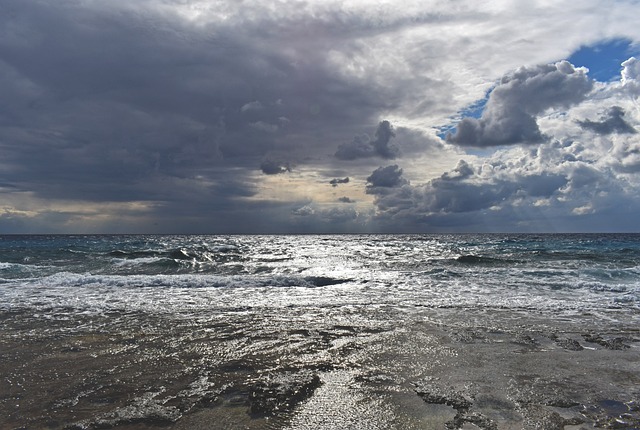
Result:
330,331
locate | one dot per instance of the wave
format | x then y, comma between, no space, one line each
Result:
199,253
476,259
64,293
225,248
602,256
324,281
183,281
441,273
133,254
18,269
599,287
141,261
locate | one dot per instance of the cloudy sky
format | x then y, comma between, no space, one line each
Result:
319,116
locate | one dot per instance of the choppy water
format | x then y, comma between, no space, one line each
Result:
206,313
183,274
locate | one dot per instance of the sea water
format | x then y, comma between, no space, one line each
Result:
191,309
184,274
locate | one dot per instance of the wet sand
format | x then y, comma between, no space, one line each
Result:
353,367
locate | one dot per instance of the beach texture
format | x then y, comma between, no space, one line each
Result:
375,332
441,369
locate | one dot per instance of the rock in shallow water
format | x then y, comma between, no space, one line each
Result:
282,392
569,344
615,344
145,409
461,402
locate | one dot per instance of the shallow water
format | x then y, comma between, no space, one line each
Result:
302,332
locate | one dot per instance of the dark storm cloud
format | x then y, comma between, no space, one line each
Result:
364,147
111,103
509,116
157,67
335,182
613,123
171,113
462,171
272,167
384,178
453,196
339,215
345,199
459,192
542,184
122,101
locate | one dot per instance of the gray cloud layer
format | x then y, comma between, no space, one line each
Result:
613,123
572,181
272,167
189,116
364,147
510,114
385,177
335,182
124,102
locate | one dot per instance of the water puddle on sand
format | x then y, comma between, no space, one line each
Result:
341,402
312,368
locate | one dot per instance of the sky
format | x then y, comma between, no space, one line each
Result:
319,116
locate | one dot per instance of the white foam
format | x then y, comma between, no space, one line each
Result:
225,248
300,271
165,293
10,266
136,261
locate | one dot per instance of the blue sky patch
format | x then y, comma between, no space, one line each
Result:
474,110
603,59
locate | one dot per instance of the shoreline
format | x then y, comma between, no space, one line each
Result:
352,367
